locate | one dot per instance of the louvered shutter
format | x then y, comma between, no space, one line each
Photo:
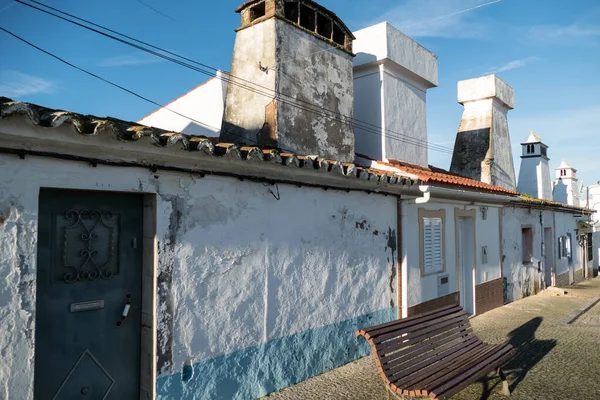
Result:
432,245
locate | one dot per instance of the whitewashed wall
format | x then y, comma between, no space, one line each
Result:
523,280
204,104
487,233
264,292
526,279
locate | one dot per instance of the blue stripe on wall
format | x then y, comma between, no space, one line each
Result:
256,371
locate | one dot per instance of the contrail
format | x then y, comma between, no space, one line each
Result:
454,13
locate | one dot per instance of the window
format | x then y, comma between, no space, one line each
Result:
563,172
569,248
544,151
432,246
308,18
433,259
338,35
530,148
257,11
291,11
590,247
562,247
484,255
527,244
324,26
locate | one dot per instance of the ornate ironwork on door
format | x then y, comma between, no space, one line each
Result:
90,245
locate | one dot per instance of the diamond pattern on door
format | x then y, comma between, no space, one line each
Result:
87,379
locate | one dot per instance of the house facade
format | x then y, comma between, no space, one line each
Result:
145,262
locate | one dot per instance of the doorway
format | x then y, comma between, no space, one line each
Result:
549,277
89,295
465,248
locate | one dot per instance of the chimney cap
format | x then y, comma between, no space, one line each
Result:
486,87
311,3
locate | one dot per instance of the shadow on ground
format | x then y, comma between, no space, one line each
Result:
530,351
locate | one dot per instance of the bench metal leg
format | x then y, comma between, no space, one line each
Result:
505,388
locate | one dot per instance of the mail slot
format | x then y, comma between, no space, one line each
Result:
87,306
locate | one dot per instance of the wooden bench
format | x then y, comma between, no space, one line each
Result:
434,354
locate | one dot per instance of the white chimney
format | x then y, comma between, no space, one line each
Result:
482,149
566,189
392,73
534,174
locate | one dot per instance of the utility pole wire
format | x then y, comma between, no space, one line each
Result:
155,10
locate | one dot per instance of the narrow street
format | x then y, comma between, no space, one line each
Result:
555,360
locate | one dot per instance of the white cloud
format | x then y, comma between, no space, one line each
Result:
17,84
512,65
435,18
129,60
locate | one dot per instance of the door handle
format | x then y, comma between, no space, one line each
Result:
126,309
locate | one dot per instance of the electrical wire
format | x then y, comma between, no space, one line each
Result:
367,127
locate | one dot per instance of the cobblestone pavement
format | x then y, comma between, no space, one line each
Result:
555,360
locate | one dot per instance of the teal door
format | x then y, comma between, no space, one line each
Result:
89,278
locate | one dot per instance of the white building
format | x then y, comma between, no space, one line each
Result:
534,174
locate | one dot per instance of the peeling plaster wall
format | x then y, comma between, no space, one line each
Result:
523,280
422,289
254,293
311,71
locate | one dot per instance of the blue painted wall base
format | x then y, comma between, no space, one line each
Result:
258,371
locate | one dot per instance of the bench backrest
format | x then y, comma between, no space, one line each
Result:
408,344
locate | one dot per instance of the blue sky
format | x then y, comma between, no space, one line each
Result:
548,51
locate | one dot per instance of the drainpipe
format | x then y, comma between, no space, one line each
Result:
422,200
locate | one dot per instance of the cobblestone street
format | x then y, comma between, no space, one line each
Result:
555,360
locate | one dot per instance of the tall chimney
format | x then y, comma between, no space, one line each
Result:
482,149
566,187
291,80
392,73
534,174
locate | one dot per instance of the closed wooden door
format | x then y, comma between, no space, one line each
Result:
88,296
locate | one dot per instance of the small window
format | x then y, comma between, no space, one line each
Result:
291,11
569,248
527,245
257,11
562,247
563,172
484,255
324,26
338,35
529,149
544,151
433,258
308,18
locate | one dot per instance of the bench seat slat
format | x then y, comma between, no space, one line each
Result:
444,373
416,327
429,352
425,345
443,390
394,375
483,372
405,321
405,341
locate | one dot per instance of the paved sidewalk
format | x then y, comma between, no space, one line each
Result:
555,360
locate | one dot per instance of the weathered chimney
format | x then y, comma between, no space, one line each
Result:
291,66
392,73
534,174
482,149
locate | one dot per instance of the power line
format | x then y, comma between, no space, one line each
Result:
155,10
367,127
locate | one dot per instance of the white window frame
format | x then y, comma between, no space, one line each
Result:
432,219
